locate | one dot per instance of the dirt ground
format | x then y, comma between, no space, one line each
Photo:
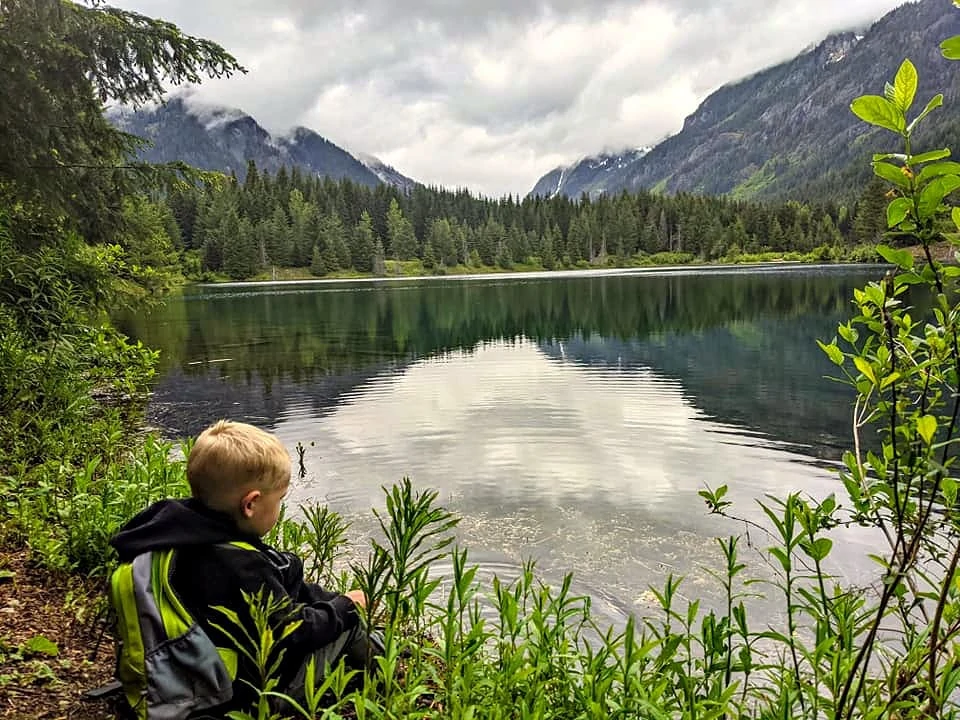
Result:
53,647
944,252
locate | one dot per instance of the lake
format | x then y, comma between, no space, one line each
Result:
571,419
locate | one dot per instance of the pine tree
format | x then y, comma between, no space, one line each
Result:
429,257
303,228
441,239
317,266
403,242
516,246
737,238
776,238
870,220
330,237
490,241
379,262
548,257
503,258
827,233
279,238
576,240
239,248
184,206
364,244
341,251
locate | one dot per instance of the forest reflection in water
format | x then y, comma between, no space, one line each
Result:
570,419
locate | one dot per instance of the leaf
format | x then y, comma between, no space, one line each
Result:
955,214
879,111
782,557
889,92
889,380
820,548
934,193
908,279
864,367
901,258
951,48
848,333
892,173
937,170
949,488
927,428
905,86
935,102
6,575
897,212
39,645
832,351
931,156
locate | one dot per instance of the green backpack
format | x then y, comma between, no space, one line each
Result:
168,666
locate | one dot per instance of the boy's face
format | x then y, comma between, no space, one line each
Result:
260,510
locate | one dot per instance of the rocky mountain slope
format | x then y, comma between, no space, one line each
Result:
589,175
387,173
788,131
215,138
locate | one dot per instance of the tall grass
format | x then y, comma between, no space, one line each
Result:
527,649
67,515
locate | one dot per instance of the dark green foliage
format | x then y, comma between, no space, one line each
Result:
60,61
80,233
317,266
342,220
364,244
400,234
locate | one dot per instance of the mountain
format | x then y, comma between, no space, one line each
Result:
217,138
588,175
787,131
387,173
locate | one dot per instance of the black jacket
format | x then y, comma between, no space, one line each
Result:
206,574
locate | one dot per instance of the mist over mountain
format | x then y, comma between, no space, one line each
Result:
225,139
787,131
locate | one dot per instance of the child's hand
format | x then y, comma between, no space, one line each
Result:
359,599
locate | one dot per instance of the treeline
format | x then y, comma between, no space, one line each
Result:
353,330
290,220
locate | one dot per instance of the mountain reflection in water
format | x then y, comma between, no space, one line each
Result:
573,420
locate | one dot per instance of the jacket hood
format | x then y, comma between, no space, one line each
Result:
175,523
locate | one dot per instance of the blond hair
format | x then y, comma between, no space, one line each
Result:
230,458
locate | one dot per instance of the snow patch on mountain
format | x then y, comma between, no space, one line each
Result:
387,173
211,115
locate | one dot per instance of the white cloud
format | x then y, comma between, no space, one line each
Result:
490,95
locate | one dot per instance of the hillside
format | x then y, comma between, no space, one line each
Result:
217,138
787,131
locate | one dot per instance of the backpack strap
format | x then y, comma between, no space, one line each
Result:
243,545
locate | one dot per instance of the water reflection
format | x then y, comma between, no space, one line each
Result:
742,344
510,422
591,470
572,420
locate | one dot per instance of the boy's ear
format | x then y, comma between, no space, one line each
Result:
248,503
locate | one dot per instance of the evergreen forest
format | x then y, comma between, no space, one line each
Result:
243,229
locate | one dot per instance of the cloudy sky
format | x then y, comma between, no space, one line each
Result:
491,94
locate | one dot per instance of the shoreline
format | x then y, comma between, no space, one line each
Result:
543,274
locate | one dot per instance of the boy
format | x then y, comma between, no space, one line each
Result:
238,477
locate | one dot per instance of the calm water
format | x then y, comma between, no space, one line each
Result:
568,419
